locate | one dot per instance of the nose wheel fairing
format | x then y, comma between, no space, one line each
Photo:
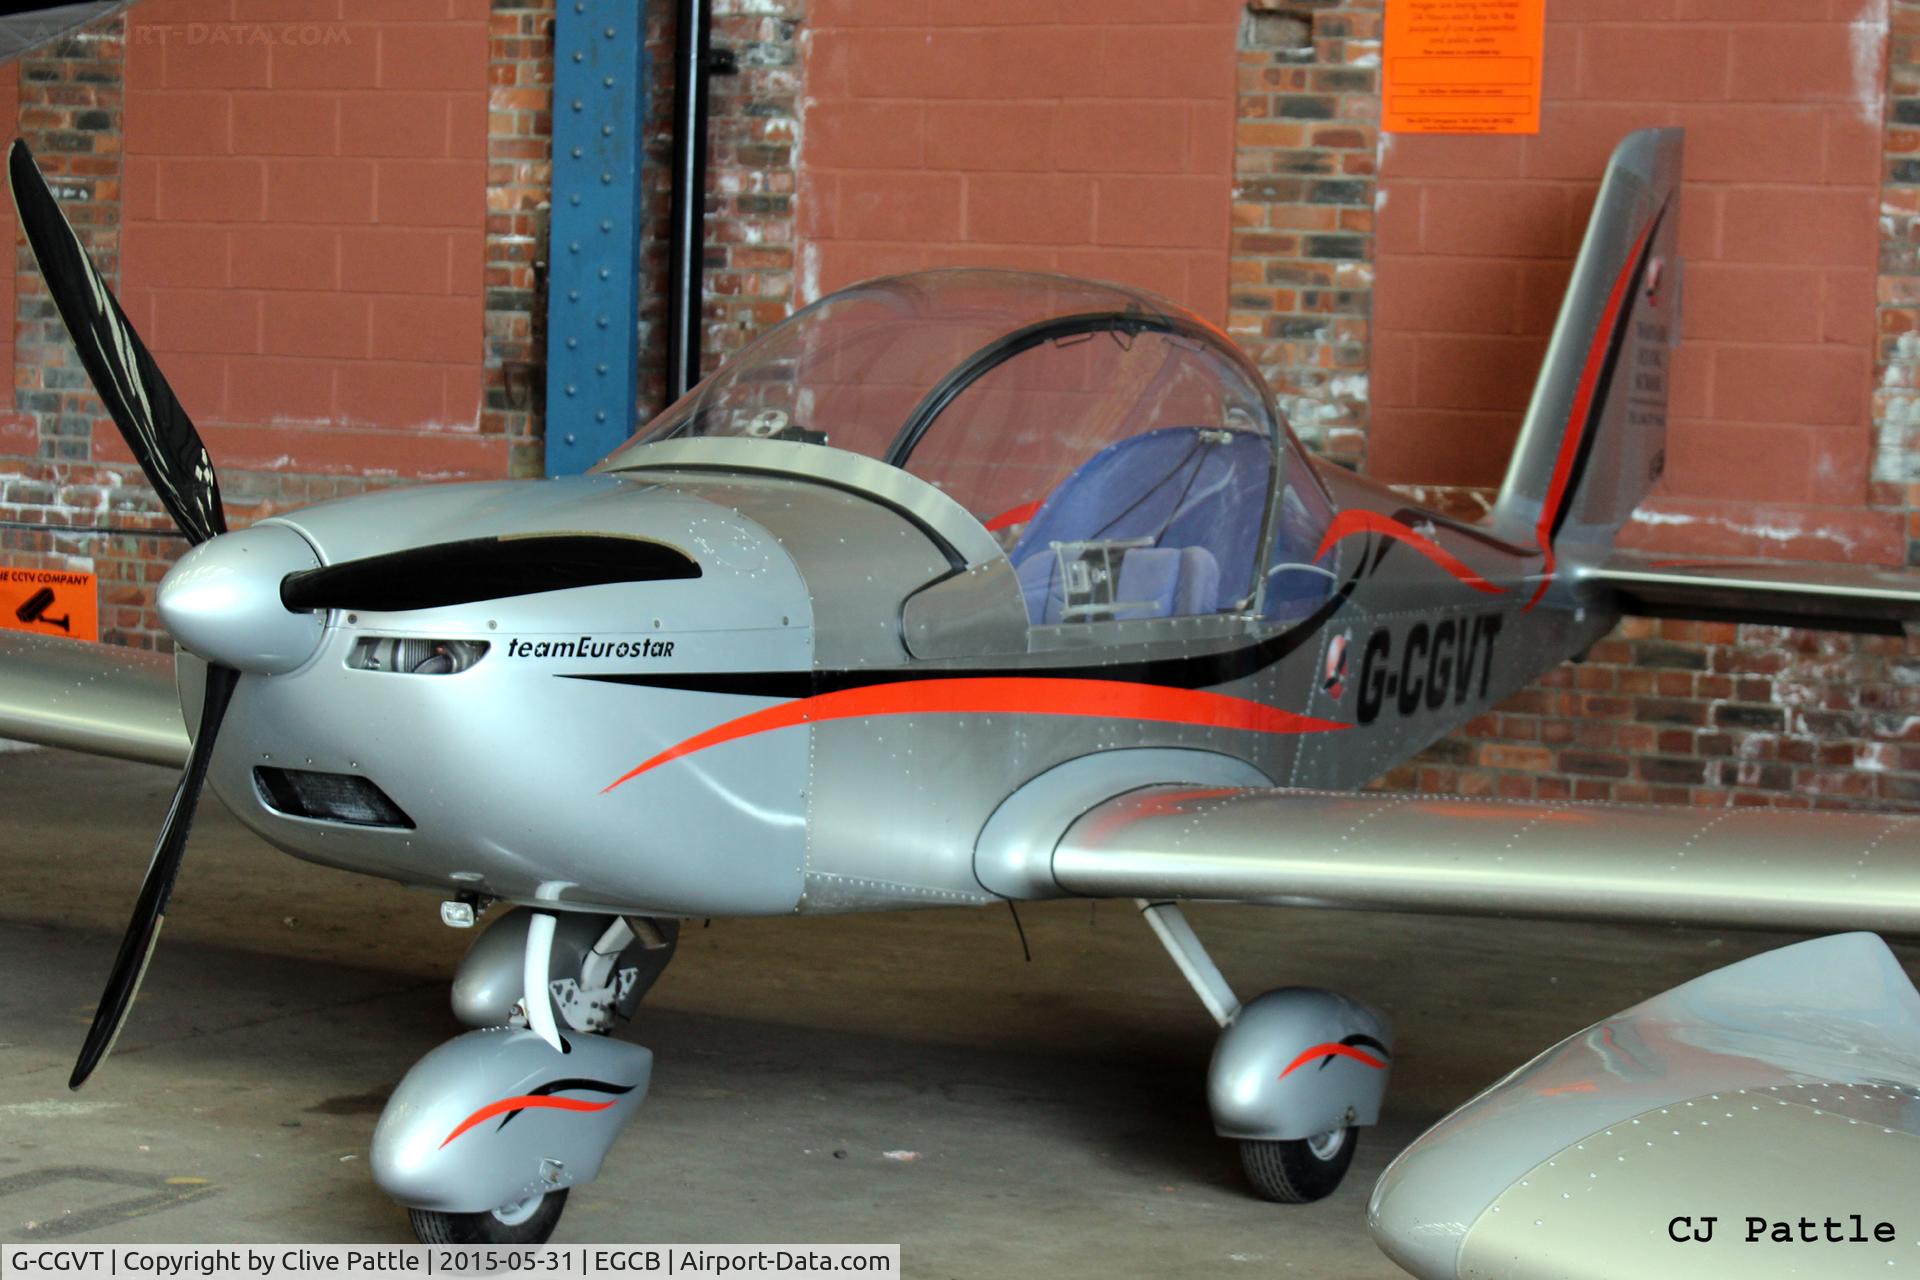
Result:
485,1136
495,1118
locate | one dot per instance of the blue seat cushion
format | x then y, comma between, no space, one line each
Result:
1181,487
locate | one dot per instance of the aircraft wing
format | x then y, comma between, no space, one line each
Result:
1769,868
1782,1088
1834,597
101,699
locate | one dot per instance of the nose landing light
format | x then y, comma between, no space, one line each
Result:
222,601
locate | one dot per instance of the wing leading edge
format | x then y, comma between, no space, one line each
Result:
1765,868
100,699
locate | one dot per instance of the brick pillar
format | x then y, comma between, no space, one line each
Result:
69,104
70,98
1896,397
750,173
753,134
1302,248
519,176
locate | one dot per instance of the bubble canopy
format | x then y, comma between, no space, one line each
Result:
1059,411
991,385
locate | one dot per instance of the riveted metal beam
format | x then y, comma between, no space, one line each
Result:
593,289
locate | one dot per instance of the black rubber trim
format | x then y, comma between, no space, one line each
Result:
1005,348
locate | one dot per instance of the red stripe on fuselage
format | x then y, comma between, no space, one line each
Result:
1334,1050
1348,523
1579,421
524,1102
1003,695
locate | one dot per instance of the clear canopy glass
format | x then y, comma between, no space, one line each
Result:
991,385
1064,414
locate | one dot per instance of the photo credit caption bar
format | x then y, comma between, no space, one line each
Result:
70,1262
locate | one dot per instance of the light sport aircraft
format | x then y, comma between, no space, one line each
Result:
954,588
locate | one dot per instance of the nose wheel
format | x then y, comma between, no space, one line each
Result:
527,1221
1301,1170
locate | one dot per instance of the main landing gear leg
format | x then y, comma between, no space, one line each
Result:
1295,1073
486,1135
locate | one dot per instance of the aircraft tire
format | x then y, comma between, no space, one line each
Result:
532,1226
1300,1170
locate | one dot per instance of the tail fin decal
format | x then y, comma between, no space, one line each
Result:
1594,437
1596,377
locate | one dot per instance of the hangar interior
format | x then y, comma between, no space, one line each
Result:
375,245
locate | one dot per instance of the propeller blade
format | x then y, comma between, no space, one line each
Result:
150,908
463,572
130,384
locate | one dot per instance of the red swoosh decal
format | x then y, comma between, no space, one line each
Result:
1348,523
1015,515
524,1102
1003,695
1337,1050
1582,405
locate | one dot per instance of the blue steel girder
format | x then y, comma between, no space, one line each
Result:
593,284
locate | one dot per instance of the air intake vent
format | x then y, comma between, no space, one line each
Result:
329,797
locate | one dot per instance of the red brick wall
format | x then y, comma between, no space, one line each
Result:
1093,137
302,201
304,228
1778,223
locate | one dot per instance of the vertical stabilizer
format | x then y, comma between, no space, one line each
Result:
1594,438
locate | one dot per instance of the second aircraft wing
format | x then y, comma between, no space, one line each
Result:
1759,1121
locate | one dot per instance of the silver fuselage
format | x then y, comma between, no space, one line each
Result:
812,584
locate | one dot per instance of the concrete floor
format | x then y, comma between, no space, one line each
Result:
1056,1108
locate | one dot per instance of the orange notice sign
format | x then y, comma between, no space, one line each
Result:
50,602
1463,66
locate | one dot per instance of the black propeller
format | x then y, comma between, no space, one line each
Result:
150,908
131,386
169,450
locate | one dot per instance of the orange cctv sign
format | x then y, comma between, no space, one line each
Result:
1463,66
50,602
